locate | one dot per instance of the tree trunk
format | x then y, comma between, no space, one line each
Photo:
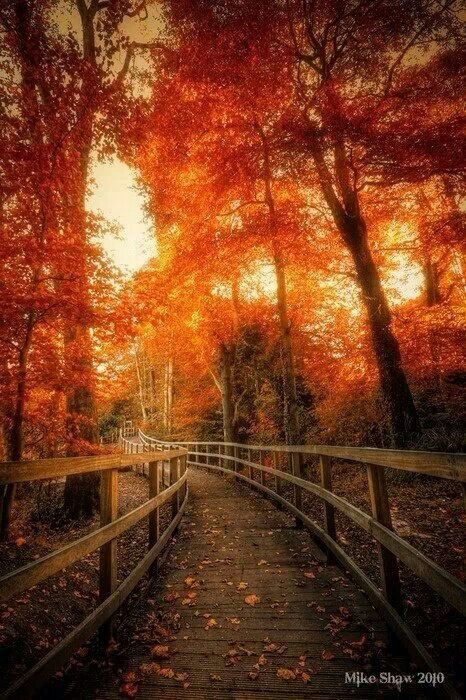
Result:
395,390
226,389
140,384
396,394
81,495
290,399
168,396
16,437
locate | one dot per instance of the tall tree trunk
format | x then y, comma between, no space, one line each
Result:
226,390
81,494
396,394
168,396
395,390
16,437
140,384
290,400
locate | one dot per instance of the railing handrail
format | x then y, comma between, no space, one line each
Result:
391,546
444,465
37,469
112,594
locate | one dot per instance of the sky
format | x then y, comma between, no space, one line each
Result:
114,193
115,196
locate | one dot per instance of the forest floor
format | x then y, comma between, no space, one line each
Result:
428,513
33,623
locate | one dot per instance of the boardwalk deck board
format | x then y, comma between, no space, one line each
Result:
224,540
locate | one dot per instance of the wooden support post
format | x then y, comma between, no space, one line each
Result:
388,562
184,469
219,455
249,460
174,471
155,472
235,457
296,464
276,466
329,510
262,460
108,552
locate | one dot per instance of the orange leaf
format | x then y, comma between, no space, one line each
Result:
160,652
252,599
286,674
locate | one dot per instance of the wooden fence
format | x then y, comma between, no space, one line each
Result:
112,593
246,462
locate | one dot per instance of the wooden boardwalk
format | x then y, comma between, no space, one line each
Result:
245,607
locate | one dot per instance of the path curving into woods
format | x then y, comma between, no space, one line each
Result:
244,606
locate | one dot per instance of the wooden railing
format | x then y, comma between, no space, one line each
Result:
112,593
247,461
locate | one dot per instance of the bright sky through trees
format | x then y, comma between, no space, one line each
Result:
116,197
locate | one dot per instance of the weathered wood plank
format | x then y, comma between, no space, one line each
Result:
108,551
155,469
397,624
30,575
329,509
446,465
388,563
32,470
449,587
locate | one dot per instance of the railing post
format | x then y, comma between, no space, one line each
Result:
249,460
235,452
219,456
388,562
108,551
276,466
174,471
261,460
184,467
155,469
329,510
296,464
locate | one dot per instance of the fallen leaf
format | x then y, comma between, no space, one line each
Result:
309,574
20,541
214,677
305,677
160,652
359,642
149,668
212,622
252,599
129,690
286,674
328,655
166,672
242,585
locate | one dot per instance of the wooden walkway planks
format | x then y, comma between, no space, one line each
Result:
231,535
